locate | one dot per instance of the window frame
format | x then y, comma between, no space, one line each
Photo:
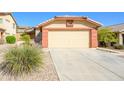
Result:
69,23
1,20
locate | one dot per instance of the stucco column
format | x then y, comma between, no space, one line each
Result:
0,35
93,38
120,39
44,38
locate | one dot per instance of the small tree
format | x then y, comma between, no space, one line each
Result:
107,36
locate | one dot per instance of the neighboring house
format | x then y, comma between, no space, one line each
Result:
38,35
7,25
119,30
69,32
25,29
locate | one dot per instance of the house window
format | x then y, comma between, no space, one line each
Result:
7,21
1,20
13,26
69,23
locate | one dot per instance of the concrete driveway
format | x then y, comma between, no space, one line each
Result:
87,64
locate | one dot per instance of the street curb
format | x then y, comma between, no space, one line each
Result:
108,50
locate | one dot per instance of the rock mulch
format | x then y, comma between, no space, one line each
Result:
46,73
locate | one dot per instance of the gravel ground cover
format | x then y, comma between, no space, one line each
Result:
46,73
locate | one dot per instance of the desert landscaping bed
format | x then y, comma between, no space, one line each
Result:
46,73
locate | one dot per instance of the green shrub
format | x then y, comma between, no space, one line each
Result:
10,39
21,60
23,34
118,46
26,38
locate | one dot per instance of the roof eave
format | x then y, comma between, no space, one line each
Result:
68,18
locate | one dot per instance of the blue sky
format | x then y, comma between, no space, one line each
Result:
34,18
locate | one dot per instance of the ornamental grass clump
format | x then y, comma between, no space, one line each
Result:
21,60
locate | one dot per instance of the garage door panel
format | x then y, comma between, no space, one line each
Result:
68,39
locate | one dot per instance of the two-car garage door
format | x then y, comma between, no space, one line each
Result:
68,39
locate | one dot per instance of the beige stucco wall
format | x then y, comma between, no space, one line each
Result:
83,23
2,26
8,26
62,24
56,24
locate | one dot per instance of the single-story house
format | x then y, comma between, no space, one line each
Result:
25,29
69,32
119,30
7,25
